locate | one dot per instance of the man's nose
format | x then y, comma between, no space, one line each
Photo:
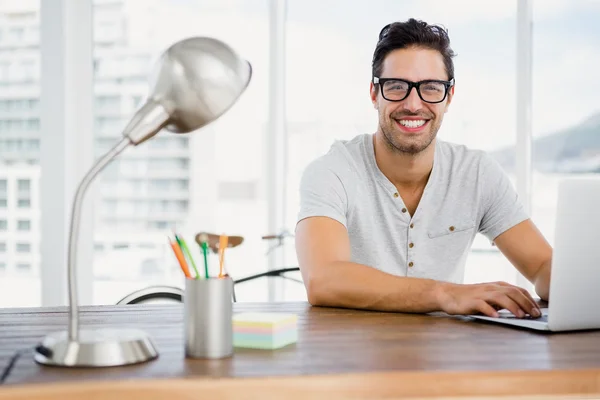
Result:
413,102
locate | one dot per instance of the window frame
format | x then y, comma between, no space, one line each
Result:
66,27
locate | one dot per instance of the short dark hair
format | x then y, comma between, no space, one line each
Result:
413,33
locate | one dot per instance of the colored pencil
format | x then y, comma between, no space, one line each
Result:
180,258
186,251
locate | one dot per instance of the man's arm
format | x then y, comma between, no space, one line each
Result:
527,249
505,221
331,279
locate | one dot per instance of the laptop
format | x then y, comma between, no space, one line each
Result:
575,284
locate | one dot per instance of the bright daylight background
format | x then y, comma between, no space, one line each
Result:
215,180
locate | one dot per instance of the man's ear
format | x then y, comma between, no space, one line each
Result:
449,100
373,93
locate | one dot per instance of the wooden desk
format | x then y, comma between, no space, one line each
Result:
334,342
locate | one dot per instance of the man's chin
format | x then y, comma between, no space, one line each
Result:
412,149
411,145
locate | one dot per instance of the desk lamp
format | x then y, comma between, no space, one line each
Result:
195,82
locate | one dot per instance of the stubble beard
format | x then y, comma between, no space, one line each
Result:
399,143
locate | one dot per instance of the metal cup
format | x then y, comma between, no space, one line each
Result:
207,317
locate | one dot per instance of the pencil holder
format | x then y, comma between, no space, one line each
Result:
208,318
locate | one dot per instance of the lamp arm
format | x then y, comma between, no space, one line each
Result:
74,232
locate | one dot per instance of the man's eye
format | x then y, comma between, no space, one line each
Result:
432,88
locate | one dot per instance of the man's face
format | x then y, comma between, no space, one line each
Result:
411,125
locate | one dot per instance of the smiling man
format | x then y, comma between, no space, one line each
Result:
387,219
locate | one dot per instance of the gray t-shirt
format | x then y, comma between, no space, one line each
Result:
467,192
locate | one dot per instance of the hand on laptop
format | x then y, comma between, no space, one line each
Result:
487,298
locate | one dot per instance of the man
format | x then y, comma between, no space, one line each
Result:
387,219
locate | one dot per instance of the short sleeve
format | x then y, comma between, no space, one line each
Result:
322,194
501,206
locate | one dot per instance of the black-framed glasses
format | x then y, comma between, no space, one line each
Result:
430,91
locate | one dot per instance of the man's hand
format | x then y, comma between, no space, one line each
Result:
486,298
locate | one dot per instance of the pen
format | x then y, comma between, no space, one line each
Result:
223,241
204,241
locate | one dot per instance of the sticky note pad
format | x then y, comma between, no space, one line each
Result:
264,330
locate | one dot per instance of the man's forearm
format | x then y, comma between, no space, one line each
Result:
542,281
351,285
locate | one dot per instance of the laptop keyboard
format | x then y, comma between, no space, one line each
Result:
508,315
543,318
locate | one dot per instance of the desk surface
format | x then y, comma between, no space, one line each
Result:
330,341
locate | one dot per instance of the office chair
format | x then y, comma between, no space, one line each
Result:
153,294
162,294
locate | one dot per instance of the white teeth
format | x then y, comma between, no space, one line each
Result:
412,123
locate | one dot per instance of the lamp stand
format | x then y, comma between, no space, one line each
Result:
96,348
92,347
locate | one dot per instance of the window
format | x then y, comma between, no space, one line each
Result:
16,34
566,135
136,101
177,181
23,185
23,248
32,144
19,141
162,185
23,266
4,72
33,125
108,124
160,225
110,102
159,185
3,225
16,125
23,225
2,266
24,203
28,71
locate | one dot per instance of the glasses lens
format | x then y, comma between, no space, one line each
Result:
395,90
433,91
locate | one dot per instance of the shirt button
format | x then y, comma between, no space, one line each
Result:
451,229
396,195
410,264
411,245
412,226
404,210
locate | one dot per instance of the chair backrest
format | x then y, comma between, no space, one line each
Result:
154,294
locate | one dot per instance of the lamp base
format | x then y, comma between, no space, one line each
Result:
96,348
